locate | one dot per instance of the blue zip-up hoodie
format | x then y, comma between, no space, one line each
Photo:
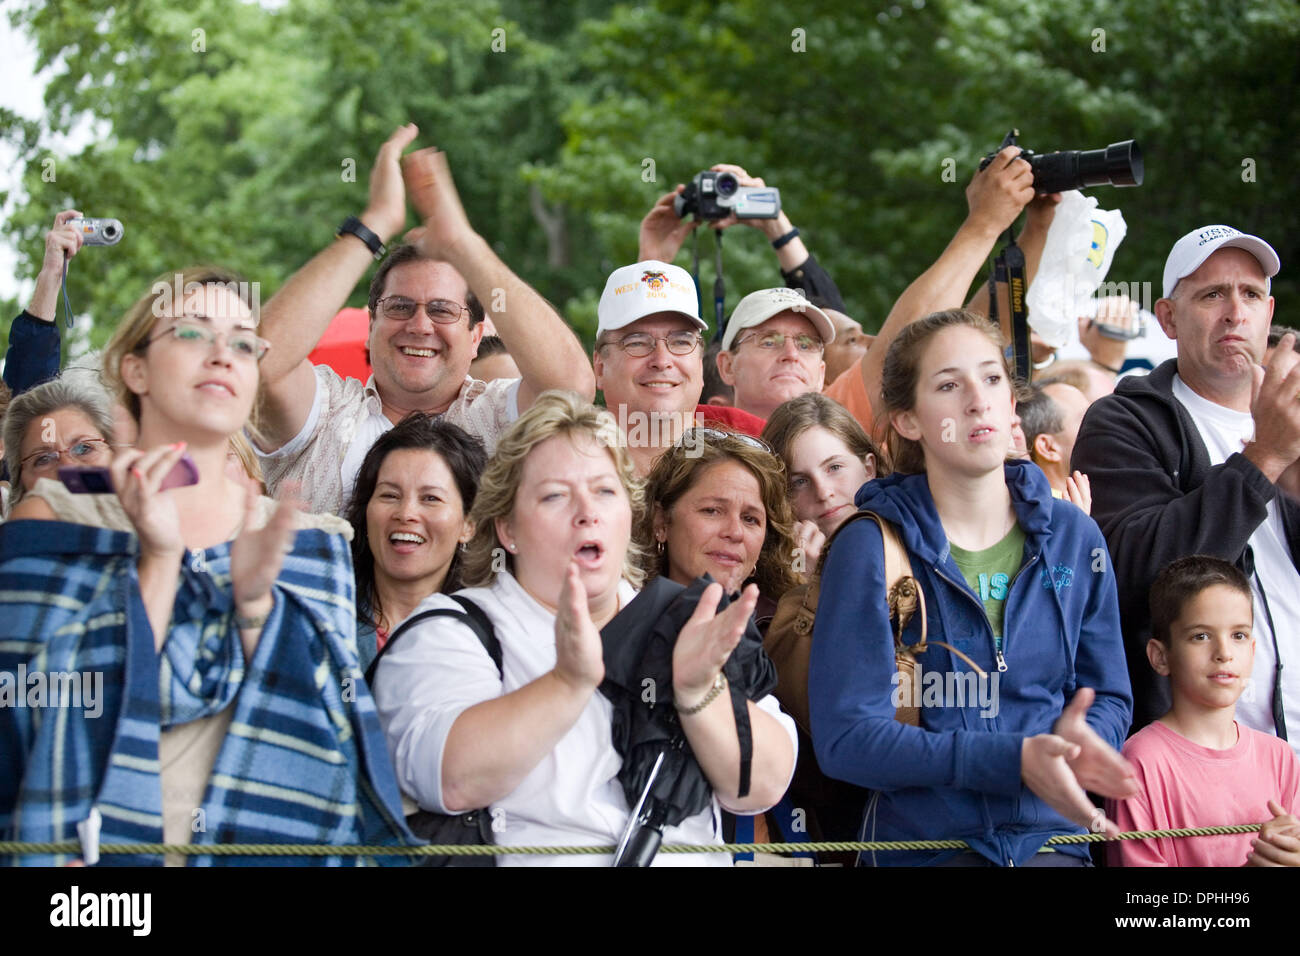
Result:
957,776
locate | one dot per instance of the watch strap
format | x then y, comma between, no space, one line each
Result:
352,226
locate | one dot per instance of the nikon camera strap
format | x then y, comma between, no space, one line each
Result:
1009,268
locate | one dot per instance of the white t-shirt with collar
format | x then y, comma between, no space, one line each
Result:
573,796
1225,432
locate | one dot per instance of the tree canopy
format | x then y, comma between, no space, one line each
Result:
242,134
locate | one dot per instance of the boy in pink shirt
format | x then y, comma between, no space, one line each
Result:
1196,765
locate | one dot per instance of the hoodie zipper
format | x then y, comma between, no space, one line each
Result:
965,592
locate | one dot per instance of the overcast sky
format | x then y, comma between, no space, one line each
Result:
21,91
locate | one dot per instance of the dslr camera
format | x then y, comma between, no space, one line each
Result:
712,196
98,232
1119,164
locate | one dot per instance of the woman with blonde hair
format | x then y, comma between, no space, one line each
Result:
223,625
551,562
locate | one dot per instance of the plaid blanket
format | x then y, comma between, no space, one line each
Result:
304,760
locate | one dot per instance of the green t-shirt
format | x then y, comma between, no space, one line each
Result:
990,573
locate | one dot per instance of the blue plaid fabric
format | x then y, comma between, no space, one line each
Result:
304,760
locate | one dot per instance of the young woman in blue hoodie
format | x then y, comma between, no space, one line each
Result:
1016,580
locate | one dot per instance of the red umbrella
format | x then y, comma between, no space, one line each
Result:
343,346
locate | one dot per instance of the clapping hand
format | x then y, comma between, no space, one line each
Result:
707,640
1098,766
431,188
579,653
385,214
256,556
1078,490
1060,765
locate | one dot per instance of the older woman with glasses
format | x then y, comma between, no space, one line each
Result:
61,422
551,562
222,625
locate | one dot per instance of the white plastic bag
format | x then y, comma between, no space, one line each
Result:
1076,257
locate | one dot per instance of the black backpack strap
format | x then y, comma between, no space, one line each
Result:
472,616
482,626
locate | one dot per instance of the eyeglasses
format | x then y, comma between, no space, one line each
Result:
717,435
401,309
641,344
244,343
80,452
771,341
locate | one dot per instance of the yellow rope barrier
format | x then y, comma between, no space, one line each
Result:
72,847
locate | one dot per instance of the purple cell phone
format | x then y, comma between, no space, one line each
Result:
99,481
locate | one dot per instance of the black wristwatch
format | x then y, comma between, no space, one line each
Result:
352,226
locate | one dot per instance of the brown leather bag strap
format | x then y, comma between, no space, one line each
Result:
905,594
901,587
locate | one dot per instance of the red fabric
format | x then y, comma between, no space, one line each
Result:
731,418
343,346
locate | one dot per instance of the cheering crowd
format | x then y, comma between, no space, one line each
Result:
459,602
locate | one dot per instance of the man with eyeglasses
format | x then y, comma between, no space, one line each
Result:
649,359
426,306
772,349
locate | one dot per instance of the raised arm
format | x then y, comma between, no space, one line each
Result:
296,317
547,352
996,195
33,354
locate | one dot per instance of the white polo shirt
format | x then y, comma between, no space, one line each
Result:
573,796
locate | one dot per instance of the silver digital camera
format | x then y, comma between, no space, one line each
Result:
98,232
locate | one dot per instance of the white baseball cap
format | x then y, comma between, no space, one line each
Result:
635,291
757,307
1198,245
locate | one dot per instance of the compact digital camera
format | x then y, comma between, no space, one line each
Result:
98,232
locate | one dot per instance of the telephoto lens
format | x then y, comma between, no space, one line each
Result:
1119,164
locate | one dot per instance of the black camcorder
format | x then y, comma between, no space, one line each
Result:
713,196
1119,164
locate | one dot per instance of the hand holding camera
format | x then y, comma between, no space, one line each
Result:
71,231
1000,190
725,195
62,242
662,230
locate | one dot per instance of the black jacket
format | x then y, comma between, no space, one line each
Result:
1157,498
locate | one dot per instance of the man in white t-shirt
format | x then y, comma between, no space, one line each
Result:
1200,457
427,305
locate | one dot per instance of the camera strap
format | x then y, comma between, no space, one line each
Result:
1009,268
67,306
719,284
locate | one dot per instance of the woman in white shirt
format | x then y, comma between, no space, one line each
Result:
553,561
